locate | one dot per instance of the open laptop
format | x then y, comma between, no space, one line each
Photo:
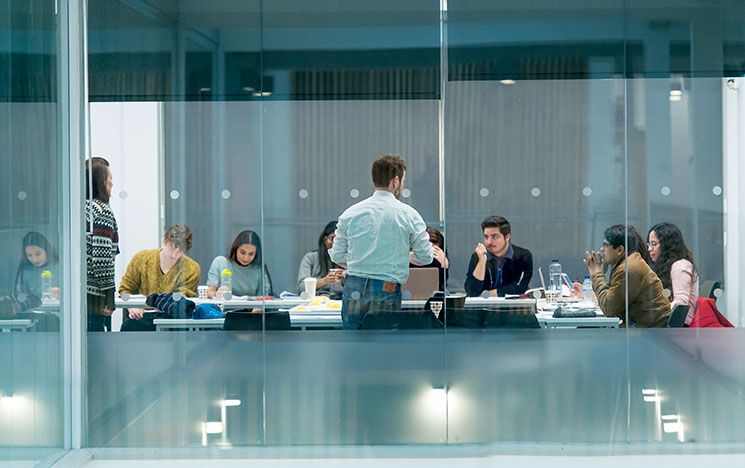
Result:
422,283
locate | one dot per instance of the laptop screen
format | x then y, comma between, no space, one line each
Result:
421,284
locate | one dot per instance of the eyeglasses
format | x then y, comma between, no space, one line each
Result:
652,244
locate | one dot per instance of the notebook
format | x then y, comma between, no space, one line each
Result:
421,284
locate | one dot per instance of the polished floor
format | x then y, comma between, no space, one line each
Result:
631,461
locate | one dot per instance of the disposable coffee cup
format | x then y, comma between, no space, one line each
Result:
310,287
202,292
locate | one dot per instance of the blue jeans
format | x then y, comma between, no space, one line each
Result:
370,297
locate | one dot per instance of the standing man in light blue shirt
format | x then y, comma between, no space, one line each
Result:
376,239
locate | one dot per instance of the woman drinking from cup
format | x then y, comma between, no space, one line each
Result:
317,264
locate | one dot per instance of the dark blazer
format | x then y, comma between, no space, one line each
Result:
516,274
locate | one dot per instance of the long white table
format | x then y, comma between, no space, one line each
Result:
8,325
138,301
277,304
322,317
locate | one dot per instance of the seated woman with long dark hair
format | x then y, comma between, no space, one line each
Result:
248,276
318,264
37,258
440,260
673,262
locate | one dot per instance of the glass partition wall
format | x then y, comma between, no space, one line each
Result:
266,117
31,224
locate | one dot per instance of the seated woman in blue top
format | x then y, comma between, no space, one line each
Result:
318,264
244,262
37,257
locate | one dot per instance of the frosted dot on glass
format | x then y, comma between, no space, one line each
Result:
225,194
228,296
717,190
406,193
718,292
666,292
174,194
484,192
356,295
123,194
406,295
303,194
535,191
176,297
22,195
21,297
303,295
587,191
665,191
536,294
125,296
485,294
354,193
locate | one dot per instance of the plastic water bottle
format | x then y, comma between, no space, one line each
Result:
226,283
554,277
587,289
46,286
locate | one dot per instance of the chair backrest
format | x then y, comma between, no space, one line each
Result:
400,320
487,318
707,288
678,316
256,321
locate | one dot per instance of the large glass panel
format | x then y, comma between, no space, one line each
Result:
557,188
349,83
195,162
679,146
676,128
256,124
534,133
31,390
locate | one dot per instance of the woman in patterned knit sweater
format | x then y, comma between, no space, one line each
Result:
101,243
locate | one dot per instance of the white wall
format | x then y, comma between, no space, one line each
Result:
734,172
128,135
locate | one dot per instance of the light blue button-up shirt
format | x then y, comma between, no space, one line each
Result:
374,237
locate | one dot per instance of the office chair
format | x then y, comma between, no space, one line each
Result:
678,316
256,321
400,320
707,288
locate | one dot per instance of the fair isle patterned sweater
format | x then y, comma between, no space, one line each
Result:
101,246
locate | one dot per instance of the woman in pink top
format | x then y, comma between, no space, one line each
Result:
673,263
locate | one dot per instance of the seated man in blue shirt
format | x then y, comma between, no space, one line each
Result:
375,241
498,266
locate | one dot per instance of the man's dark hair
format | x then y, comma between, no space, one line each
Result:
96,173
619,234
386,168
497,222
